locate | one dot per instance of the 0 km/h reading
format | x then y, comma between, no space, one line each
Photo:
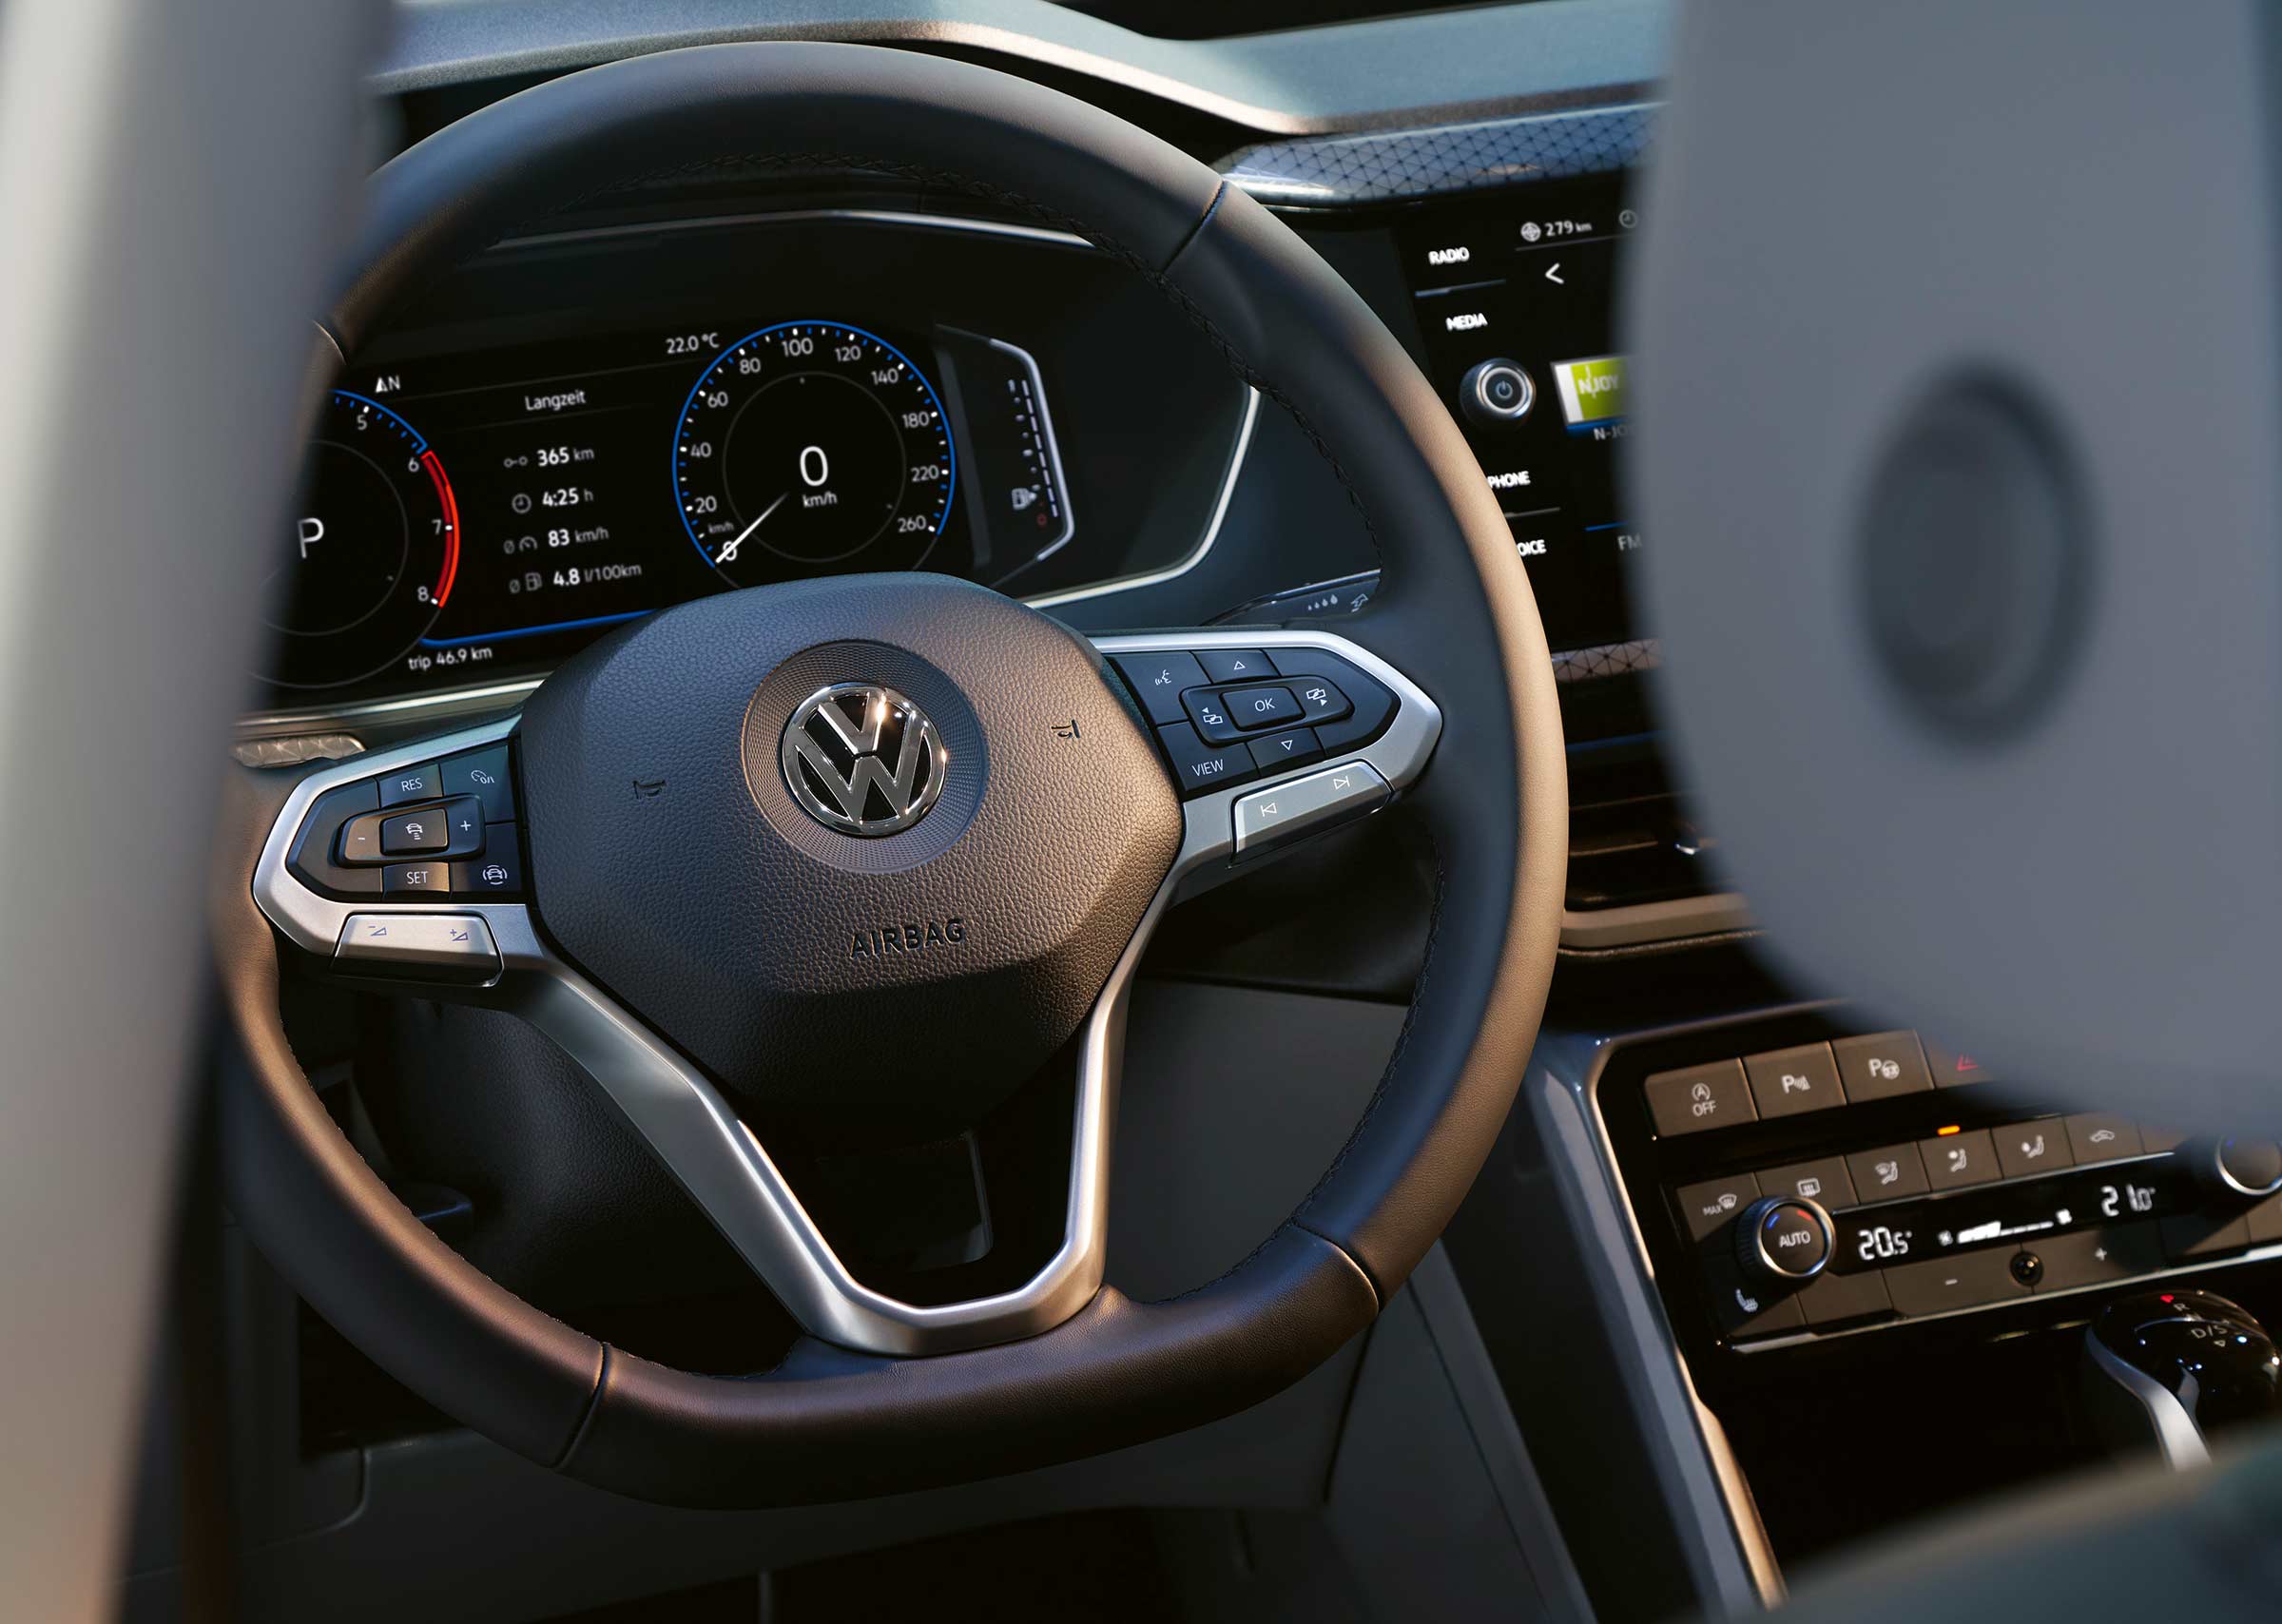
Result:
808,446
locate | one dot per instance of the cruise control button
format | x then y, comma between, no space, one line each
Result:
1787,1081
498,872
1234,664
1956,1160
443,946
411,784
1886,1174
1880,1065
410,834
1280,750
317,862
1210,717
1201,766
484,775
1159,679
2033,1147
1700,1098
416,880
1321,799
1261,708
361,839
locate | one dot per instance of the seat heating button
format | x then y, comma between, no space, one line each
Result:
1316,802
450,947
1956,1160
2028,1148
1746,1308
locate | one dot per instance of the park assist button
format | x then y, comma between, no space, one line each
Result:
1700,1098
436,947
1880,1065
1304,804
1787,1081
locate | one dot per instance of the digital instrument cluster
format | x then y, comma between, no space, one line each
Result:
492,512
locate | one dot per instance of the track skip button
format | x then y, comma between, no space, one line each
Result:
1299,806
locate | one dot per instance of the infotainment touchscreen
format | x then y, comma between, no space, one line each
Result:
1513,297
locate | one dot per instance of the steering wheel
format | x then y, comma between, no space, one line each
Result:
877,848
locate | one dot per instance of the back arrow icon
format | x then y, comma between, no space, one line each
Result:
1553,273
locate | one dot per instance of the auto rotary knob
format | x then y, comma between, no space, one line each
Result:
1786,1239
2235,1169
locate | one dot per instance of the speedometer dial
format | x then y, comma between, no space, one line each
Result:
373,550
811,447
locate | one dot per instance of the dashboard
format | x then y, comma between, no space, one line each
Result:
586,426
716,387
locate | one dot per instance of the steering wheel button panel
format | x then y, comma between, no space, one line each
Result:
456,947
1286,811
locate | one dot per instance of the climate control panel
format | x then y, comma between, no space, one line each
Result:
1822,1185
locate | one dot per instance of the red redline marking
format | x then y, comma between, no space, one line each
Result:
443,491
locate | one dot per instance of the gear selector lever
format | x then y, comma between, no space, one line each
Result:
2174,1366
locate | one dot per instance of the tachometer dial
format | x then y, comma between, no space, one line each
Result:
810,447
373,548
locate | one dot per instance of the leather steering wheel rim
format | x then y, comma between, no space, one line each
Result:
1455,615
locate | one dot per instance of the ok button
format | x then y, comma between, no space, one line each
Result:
1261,708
